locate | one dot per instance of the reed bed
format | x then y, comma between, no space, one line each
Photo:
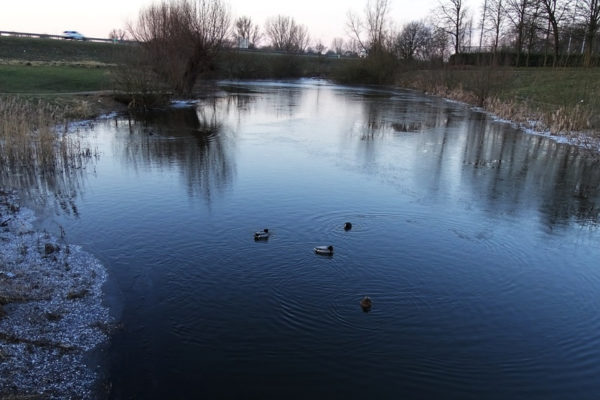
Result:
36,150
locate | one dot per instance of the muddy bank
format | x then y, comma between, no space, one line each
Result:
51,311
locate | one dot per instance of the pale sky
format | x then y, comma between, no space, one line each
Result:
325,19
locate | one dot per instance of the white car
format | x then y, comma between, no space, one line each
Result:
73,35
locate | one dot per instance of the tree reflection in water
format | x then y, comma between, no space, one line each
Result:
190,139
59,180
508,168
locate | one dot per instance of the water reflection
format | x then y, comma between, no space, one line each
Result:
54,185
456,150
446,146
190,139
399,115
465,235
514,169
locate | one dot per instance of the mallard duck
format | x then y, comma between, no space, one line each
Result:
327,250
366,303
262,235
347,226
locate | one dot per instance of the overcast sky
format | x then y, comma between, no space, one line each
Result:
325,19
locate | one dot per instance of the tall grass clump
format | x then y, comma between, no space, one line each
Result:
36,151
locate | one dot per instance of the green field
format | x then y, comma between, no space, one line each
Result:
49,66
552,87
52,79
66,51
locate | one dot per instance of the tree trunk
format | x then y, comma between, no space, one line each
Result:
590,35
519,43
556,42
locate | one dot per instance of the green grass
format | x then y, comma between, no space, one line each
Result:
563,99
52,79
33,49
555,87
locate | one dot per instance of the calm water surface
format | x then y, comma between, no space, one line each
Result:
478,244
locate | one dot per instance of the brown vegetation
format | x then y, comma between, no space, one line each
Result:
36,151
180,39
494,89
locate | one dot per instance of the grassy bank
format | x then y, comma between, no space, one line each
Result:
561,100
52,79
49,50
59,71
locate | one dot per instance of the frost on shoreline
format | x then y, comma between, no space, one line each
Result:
51,311
533,126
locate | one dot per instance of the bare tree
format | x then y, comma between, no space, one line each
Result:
555,10
246,32
337,44
533,26
438,46
320,47
589,11
482,24
117,34
286,35
370,32
453,19
516,11
180,39
412,41
496,21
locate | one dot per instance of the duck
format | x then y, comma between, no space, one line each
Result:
262,235
347,226
327,250
366,303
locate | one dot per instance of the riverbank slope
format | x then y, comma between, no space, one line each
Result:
559,101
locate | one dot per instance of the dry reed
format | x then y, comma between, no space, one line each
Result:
484,87
36,151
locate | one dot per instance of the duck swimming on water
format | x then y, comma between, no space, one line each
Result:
366,303
326,250
347,226
262,235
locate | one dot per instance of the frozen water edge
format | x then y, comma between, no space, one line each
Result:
534,127
52,312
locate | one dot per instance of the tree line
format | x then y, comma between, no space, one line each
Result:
561,28
182,38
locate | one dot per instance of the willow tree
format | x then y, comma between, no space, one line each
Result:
180,39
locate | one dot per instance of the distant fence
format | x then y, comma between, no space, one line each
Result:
46,36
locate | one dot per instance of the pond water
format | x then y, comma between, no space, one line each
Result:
477,243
